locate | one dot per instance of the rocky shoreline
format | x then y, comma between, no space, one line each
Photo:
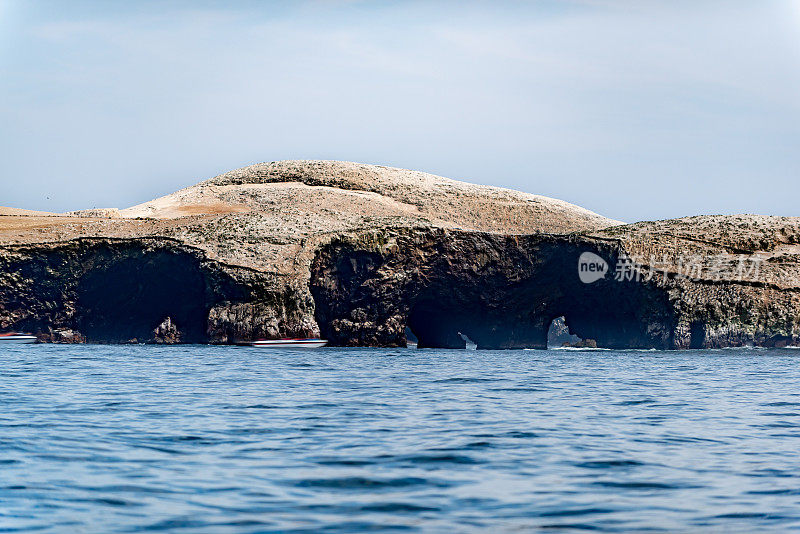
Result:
358,254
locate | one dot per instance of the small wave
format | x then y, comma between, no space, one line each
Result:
570,526
688,439
256,407
479,445
439,458
126,488
608,464
364,483
785,491
108,501
576,512
397,507
344,462
749,515
188,438
464,380
780,424
519,434
770,473
171,524
15,487
643,485
159,449
319,405
635,402
516,390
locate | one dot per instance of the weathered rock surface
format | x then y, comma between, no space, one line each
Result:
357,253
559,335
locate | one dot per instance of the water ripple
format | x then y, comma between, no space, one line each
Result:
224,439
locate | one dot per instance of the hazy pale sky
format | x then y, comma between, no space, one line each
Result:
635,109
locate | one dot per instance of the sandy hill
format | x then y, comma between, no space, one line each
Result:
327,190
271,216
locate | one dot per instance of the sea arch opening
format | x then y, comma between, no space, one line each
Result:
436,325
499,292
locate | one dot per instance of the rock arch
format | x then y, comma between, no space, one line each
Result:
500,291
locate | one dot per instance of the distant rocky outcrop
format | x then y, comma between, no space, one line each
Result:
95,212
359,253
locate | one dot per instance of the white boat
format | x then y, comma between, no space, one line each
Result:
289,343
16,337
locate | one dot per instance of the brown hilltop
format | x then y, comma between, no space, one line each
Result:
258,216
343,190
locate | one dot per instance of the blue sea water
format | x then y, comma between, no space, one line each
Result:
234,439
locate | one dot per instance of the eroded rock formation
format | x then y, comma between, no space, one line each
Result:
139,291
360,253
504,291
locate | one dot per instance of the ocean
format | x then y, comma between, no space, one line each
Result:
234,439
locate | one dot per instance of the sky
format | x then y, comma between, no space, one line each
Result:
635,109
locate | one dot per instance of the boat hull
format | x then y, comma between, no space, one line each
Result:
17,340
289,344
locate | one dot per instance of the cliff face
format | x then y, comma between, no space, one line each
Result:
141,290
504,292
499,291
358,253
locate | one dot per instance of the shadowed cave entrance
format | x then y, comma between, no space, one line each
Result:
433,326
463,322
521,325
697,335
126,300
501,293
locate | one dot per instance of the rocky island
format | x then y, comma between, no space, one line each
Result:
362,255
